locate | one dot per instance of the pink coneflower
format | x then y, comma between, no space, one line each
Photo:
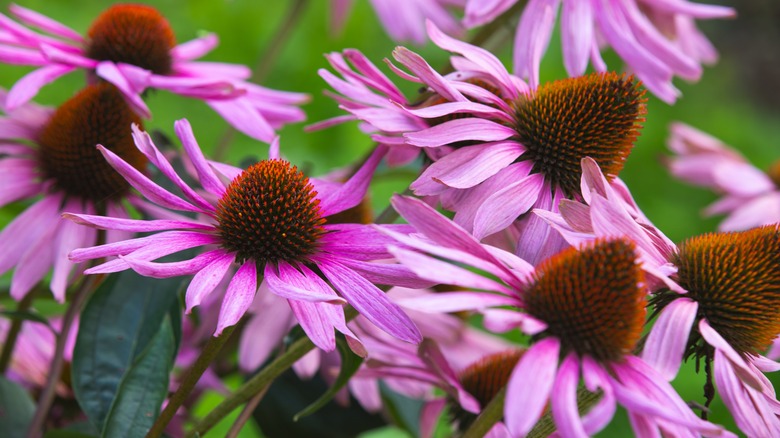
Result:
269,221
584,310
133,47
728,316
404,20
728,282
499,148
657,39
52,153
751,197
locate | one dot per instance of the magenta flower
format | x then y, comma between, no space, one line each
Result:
404,20
751,197
269,221
727,317
134,48
657,39
49,157
499,148
728,282
585,311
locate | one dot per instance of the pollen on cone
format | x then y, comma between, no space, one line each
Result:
735,278
68,152
599,116
270,213
591,299
132,34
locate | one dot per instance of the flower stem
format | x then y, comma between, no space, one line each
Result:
260,381
13,332
190,379
489,416
89,284
246,414
264,64
253,386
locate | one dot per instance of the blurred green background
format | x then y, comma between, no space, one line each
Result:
736,101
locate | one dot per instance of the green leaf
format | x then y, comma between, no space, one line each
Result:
144,388
350,362
16,409
27,315
117,324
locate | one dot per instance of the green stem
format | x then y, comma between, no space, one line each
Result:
190,379
264,64
489,416
246,414
253,386
89,284
13,332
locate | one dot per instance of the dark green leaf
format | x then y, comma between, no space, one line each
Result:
16,409
117,324
144,388
27,315
350,362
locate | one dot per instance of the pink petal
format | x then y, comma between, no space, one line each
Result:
504,320
478,55
173,269
143,184
22,232
136,225
273,319
503,207
741,368
532,37
69,237
354,190
466,167
27,87
429,416
453,131
564,399
240,293
576,36
195,48
289,283
131,90
448,302
668,338
370,301
530,385
206,280
244,117
427,74
144,143
44,23
36,260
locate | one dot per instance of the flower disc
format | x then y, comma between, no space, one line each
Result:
735,278
68,154
270,213
132,34
562,122
590,299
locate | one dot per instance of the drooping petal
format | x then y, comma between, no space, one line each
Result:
668,338
370,301
240,293
206,280
291,284
564,399
526,398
